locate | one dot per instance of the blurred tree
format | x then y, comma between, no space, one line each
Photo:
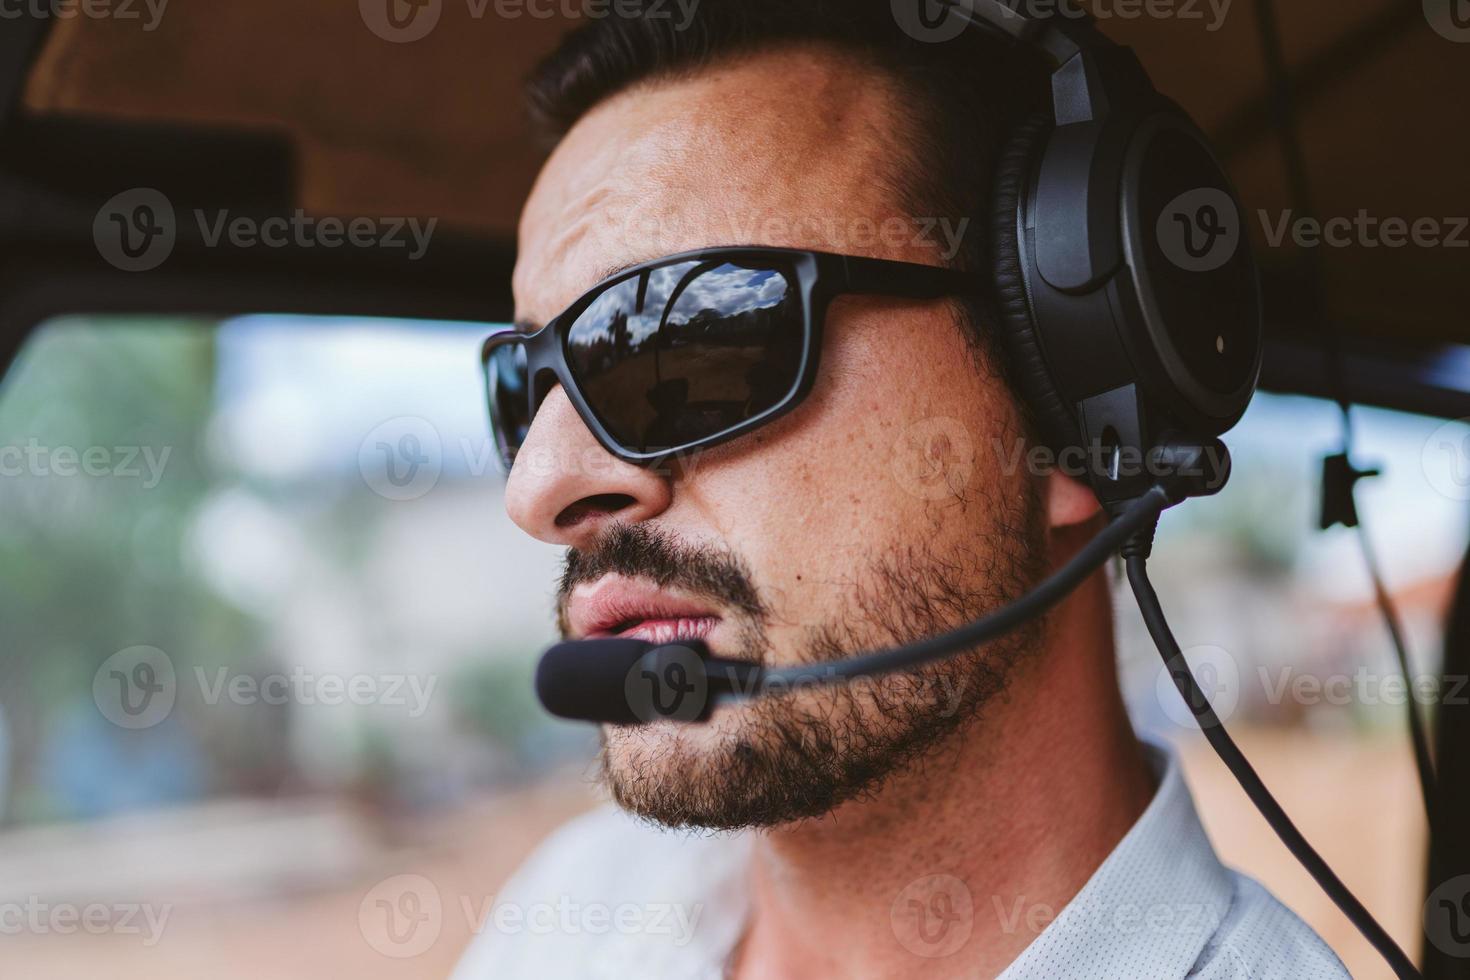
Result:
100,475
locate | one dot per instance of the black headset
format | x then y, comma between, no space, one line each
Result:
1127,291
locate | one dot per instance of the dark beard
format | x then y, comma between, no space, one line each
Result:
797,755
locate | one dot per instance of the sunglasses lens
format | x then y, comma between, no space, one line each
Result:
510,400
688,351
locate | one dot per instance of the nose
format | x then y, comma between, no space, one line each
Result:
565,488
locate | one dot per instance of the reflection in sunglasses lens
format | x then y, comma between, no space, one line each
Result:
687,351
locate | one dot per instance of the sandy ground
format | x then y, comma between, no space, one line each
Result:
1356,800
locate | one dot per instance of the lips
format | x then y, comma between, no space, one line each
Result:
623,607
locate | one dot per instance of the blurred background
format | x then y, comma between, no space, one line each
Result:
266,634
297,523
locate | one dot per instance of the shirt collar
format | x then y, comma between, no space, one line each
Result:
1162,889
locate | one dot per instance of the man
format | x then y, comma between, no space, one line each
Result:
935,823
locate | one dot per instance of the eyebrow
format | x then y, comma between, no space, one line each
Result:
620,268
531,326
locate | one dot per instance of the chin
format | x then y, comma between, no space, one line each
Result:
758,764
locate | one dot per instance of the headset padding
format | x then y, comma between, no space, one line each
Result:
1013,169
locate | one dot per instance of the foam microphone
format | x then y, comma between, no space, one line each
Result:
633,682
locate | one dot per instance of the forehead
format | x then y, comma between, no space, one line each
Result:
800,147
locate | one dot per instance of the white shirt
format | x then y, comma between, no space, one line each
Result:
608,896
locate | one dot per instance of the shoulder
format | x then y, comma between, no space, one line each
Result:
1261,939
605,890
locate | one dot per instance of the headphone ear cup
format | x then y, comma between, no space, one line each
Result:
1056,420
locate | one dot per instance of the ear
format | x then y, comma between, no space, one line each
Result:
1069,502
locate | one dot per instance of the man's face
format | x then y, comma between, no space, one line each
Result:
876,512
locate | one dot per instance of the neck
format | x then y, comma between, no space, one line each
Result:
1009,822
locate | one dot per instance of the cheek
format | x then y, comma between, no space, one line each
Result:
887,453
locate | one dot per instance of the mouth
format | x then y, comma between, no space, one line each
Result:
615,606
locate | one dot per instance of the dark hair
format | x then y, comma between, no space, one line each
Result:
968,93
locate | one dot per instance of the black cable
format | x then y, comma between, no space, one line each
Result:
1225,747
1422,758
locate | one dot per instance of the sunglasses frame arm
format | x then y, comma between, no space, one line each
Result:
855,274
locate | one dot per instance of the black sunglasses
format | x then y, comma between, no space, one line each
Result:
689,350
